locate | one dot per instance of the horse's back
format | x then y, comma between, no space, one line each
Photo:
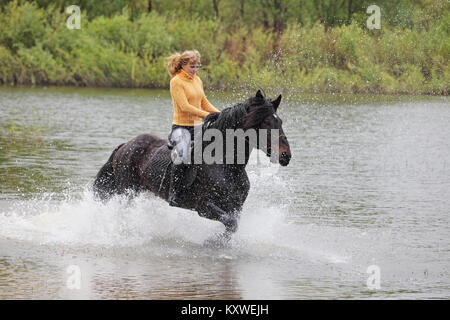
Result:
130,161
156,171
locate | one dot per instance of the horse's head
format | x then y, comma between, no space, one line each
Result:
262,114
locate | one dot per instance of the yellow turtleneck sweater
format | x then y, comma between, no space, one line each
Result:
189,101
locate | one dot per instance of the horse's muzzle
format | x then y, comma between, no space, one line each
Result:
285,158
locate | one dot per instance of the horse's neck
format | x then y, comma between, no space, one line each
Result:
237,162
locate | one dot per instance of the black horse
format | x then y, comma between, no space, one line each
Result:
216,191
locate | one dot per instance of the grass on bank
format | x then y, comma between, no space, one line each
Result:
36,48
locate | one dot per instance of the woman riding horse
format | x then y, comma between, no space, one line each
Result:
190,106
216,190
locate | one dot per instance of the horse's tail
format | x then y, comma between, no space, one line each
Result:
104,184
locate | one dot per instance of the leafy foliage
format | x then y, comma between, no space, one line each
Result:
298,45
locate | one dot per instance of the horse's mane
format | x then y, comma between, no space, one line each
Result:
240,115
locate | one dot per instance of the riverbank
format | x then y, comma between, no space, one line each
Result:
36,48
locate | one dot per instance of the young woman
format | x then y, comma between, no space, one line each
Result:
190,106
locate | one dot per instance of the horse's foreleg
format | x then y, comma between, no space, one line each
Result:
209,210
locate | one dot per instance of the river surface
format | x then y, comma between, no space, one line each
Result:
361,212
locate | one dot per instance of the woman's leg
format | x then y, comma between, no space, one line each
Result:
181,141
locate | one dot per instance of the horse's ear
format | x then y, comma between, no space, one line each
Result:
259,94
276,102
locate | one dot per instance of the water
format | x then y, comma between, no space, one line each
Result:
368,185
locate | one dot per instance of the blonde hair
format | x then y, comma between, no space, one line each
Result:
176,61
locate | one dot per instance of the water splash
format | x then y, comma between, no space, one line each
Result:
147,224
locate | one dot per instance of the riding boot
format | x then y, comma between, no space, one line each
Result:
176,184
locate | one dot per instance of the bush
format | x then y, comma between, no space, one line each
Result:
115,50
39,66
152,38
9,66
21,25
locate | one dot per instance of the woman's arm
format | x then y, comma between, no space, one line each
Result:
206,105
178,95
